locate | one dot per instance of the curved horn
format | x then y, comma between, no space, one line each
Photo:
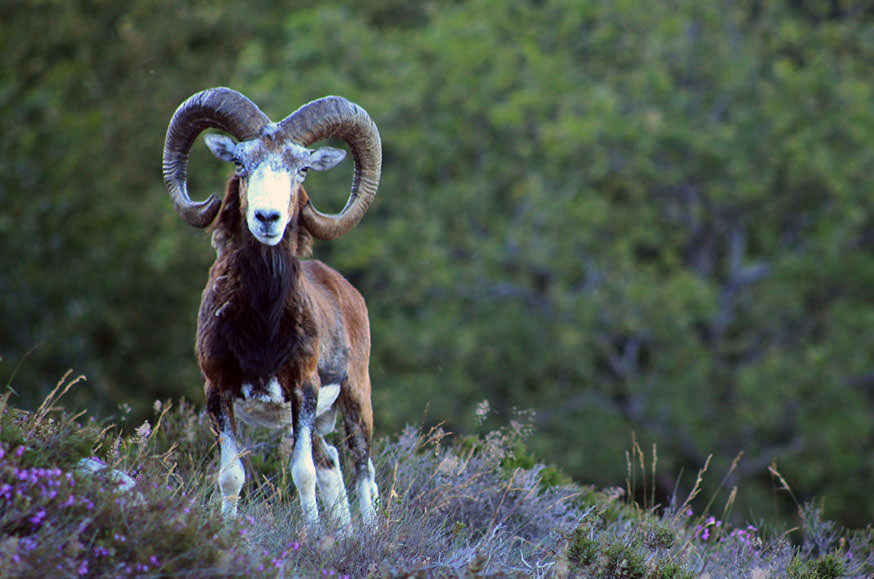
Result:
334,116
219,108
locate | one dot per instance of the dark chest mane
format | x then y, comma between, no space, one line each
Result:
269,323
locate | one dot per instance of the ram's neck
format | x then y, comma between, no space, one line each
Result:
270,276
268,324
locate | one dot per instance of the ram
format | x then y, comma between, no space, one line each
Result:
282,342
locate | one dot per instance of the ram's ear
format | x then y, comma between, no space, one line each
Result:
222,146
325,158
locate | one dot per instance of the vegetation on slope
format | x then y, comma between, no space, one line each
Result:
476,506
626,216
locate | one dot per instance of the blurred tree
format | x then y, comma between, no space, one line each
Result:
623,216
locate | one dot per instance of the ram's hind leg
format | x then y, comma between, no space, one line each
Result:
358,420
330,478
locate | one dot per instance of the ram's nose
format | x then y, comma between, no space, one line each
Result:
267,217
267,225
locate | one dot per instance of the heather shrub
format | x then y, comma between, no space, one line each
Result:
89,498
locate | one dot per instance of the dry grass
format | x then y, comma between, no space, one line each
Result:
476,506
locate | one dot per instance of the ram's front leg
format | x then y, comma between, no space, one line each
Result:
303,468
231,474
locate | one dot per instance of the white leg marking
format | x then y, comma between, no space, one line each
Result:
332,488
368,494
327,396
303,473
231,474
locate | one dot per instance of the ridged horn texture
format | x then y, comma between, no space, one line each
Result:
334,116
218,108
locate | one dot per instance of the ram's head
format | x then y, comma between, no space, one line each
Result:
272,159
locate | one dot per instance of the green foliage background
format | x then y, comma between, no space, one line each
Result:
627,216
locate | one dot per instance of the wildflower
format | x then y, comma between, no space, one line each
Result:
83,567
482,410
28,543
38,517
143,431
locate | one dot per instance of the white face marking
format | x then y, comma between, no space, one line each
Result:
269,196
274,171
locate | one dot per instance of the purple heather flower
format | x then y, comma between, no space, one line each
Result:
38,517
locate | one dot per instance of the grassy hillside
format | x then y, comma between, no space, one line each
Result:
479,506
650,217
